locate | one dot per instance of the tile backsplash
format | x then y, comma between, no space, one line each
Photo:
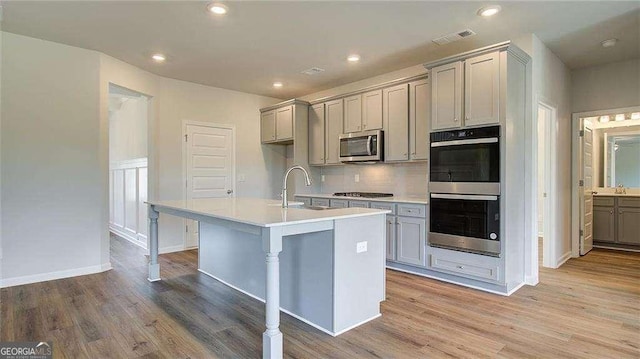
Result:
402,179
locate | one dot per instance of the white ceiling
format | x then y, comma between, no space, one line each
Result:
260,42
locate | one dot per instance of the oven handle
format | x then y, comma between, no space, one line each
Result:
369,145
471,197
465,142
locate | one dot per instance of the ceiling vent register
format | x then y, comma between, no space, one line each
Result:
313,71
454,37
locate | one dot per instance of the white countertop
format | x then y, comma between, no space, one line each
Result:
616,194
416,200
262,212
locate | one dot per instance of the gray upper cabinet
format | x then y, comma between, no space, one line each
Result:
268,126
481,93
482,89
446,96
333,123
628,225
316,134
363,112
372,110
284,123
396,122
419,114
353,114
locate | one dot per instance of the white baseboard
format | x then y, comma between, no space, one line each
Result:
532,280
43,277
565,257
128,237
171,249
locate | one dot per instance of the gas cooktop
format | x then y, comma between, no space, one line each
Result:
363,194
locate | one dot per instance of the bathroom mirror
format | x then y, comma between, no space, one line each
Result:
622,161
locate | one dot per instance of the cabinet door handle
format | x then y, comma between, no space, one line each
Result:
620,212
460,267
455,119
466,118
611,211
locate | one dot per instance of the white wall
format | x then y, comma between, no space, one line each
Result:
262,165
55,153
603,87
127,128
51,178
552,84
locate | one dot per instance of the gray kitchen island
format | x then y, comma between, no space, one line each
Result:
325,267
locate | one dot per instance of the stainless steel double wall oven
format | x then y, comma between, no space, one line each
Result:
464,185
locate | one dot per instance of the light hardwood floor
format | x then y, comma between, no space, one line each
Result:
589,308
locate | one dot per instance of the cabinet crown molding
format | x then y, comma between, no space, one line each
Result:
294,101
501,46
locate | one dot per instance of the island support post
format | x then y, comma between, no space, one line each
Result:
154,266
272,337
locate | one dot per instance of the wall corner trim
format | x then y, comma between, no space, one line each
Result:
43,277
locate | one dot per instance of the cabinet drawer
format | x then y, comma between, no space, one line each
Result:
486,271
339,203
360,204
320,202
412,210
628,202
305,200
603,201
384,205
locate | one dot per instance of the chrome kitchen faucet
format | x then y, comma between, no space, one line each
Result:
285,202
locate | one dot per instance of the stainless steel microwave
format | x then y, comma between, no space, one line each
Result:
364,146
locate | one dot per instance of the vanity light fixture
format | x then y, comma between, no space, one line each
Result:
635,116
353,58
604,119
158,57
277,85
217,8
488,11
620,117
609,43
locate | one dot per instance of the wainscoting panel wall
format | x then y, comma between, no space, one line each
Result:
127,194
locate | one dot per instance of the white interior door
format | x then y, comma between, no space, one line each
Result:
209,167
586,165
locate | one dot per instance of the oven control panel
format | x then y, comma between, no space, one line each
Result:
454,135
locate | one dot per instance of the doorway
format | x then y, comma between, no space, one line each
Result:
600,140
128,164
208,167
545,194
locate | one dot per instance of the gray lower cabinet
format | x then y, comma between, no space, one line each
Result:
322,202
604,224
391,237
616,220
629,225
411,240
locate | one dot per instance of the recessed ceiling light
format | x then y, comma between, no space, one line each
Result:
635,116
620,117
609,43
604,119
353,58
217,8
489,10
158,57
277,85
